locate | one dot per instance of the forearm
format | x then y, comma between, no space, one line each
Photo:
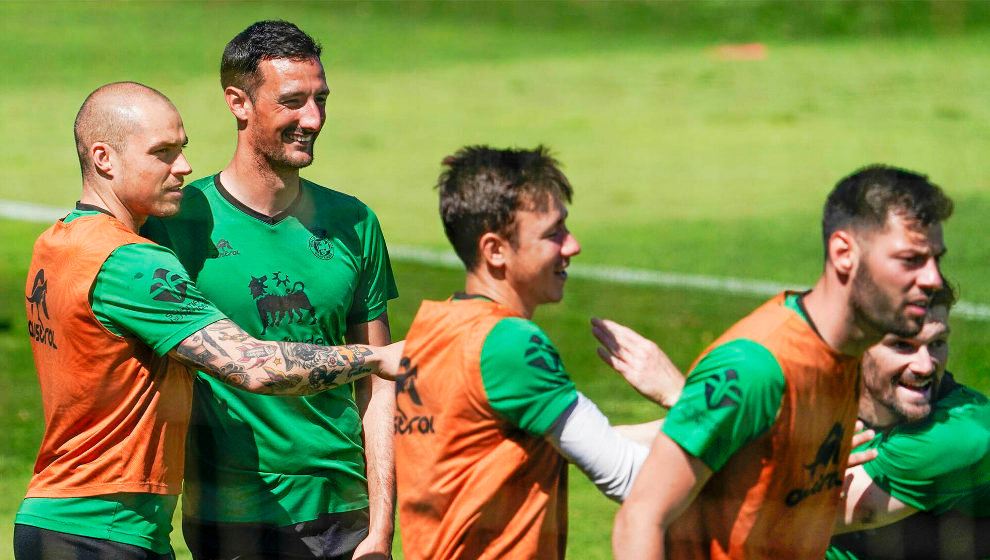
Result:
379,412
583,436
224,351
636,537
376,402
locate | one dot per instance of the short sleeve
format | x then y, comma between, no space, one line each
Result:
730,398
376,284
142,289
524,377
941,463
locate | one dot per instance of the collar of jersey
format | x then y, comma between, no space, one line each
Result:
270,220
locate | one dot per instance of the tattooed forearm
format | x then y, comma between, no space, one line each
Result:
224,351
209,340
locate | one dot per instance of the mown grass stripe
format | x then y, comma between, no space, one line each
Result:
29,211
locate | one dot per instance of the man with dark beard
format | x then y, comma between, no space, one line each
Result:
750,460
929,488
289,260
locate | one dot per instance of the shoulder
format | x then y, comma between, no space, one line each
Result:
511,333
145,254
514,342
327,196
745,360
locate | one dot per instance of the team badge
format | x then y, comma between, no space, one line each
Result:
722,390
321,245
168,286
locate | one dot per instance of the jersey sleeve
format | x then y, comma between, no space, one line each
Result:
942,463
523,376
143,291
730,398
377,284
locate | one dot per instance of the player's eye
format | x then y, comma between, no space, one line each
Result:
902,346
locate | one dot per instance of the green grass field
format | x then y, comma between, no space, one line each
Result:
680,161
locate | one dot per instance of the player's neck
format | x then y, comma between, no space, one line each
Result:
107,200
874,414
258,186
481,283
829,309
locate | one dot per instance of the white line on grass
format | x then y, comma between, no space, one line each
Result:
31,212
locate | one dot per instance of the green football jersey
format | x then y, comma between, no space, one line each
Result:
303,276
938,465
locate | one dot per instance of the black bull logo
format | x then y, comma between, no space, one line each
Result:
828,452
39,289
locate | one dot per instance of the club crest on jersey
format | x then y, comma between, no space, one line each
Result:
321,245
168,286
827,456
37,299
292,306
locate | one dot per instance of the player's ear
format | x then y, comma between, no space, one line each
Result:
103,157
238,101
492,247
843,252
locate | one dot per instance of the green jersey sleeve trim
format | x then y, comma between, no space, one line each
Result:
142,290
524,377
943,462
732,397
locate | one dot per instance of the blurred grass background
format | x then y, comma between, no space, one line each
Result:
681,160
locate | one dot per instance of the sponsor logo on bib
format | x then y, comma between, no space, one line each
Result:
38,298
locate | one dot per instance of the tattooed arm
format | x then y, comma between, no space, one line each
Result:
224,351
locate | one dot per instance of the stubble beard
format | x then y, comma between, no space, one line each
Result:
873,308
276,157
885,395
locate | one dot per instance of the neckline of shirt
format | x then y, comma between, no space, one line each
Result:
270,220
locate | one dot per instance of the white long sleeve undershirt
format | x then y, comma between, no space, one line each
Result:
584,437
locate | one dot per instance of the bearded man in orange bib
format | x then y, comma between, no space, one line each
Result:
751,458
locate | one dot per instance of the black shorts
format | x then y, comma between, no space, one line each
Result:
34,543
332,536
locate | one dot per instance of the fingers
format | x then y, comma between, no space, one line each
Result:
859,457
607,357
859,438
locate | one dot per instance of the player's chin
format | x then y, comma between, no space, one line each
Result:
299,157
167,208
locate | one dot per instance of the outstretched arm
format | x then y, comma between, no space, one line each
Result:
226,352
376,401
641,362
583,436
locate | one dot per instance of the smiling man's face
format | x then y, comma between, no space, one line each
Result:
901,375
